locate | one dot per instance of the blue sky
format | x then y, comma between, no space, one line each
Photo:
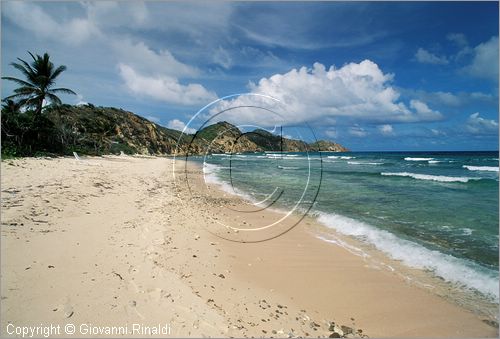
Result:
370,75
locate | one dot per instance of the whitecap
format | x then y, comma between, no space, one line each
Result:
364,163
418,159
441,178
340,157
481,168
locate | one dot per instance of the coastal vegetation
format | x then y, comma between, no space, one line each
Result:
36,122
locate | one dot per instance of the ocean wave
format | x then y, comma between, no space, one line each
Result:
418,159
364,163
481,168
340,157
434,161
210,172
411,254
288,167
441,178
466,231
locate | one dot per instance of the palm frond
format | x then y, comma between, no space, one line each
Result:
62,90
17,96
28,73
58,71
18,81
54,99
29,90
26,65
34,59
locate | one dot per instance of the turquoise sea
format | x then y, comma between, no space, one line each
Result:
435,211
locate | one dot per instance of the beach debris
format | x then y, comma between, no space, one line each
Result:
196,236
491,322
334,335
314,325
68,311
222,276
346,329
118,275
51,266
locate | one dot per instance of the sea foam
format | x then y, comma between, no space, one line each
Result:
441,178
418,159
414,255
364,163
340,157
481,168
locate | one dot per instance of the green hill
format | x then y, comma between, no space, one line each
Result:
104,130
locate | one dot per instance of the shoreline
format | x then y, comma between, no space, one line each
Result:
125,245
396,255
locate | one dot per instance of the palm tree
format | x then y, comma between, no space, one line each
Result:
37,88
9,106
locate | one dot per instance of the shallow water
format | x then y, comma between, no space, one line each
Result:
433,211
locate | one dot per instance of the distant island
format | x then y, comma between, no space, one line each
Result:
92,130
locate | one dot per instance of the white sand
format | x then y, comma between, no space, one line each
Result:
113,241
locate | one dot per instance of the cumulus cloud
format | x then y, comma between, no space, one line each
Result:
426,57
485,62
164,88
424,112
480,126
180,126
356,91
386,130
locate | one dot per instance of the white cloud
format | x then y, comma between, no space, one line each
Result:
426,57
221,57
80,101
143,59
32,17
180,126
424,112
358,131
458,38
332,133
356,91
165,88
450,99
386,129
485,62
437,133
113,14
477,125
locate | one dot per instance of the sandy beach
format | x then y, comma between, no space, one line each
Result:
117,241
